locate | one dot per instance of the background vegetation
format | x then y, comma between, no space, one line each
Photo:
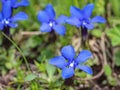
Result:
104,42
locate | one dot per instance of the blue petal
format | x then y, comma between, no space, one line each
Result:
76,12
85,69
89,26
88,10
6,9
58,61
67,72
98,19
50,11
19,16
59,29
83,56
74,21
21,3
1,26
68,52
43,17
13,25
1,17
45,28
62,19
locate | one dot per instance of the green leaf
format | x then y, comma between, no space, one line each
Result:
30,77
112,81
96,33
50,70
107,70
117,58
114,35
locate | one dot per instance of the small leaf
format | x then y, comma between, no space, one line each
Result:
117,58
107,70
112,81
114,35
97,33
50,70
30,77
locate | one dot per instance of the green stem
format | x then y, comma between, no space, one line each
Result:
18,50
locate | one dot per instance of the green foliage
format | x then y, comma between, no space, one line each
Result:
116,5
114,35
96,33
30,77
107,70
117,58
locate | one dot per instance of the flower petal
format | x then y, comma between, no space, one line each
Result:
43,17
59,29
62,19
6,9
58,61
1,26
21,3
88,10
86,69
45,28
68,52
98,19
76,12
74,21
50,11
89,26
19,16
67,72
83,56
1,17
13,25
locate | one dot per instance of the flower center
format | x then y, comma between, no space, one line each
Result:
84,23
51,23
72,64
5,21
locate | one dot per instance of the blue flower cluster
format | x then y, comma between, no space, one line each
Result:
79,18
68,61
6,18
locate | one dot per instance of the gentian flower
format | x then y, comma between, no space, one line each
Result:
7,21
16,3
6,18
68,63
81,18
49,22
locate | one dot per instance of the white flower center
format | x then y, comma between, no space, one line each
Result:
72,64
51,24
84,23
4,21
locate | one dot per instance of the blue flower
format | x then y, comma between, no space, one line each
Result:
67,62
49,22
7,21
16,3
81,18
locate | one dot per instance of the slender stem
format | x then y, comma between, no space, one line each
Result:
18,50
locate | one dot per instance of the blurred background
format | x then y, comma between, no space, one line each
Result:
39,48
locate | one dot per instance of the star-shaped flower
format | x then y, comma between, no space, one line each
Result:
49,22
7,21
81,18
68,63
